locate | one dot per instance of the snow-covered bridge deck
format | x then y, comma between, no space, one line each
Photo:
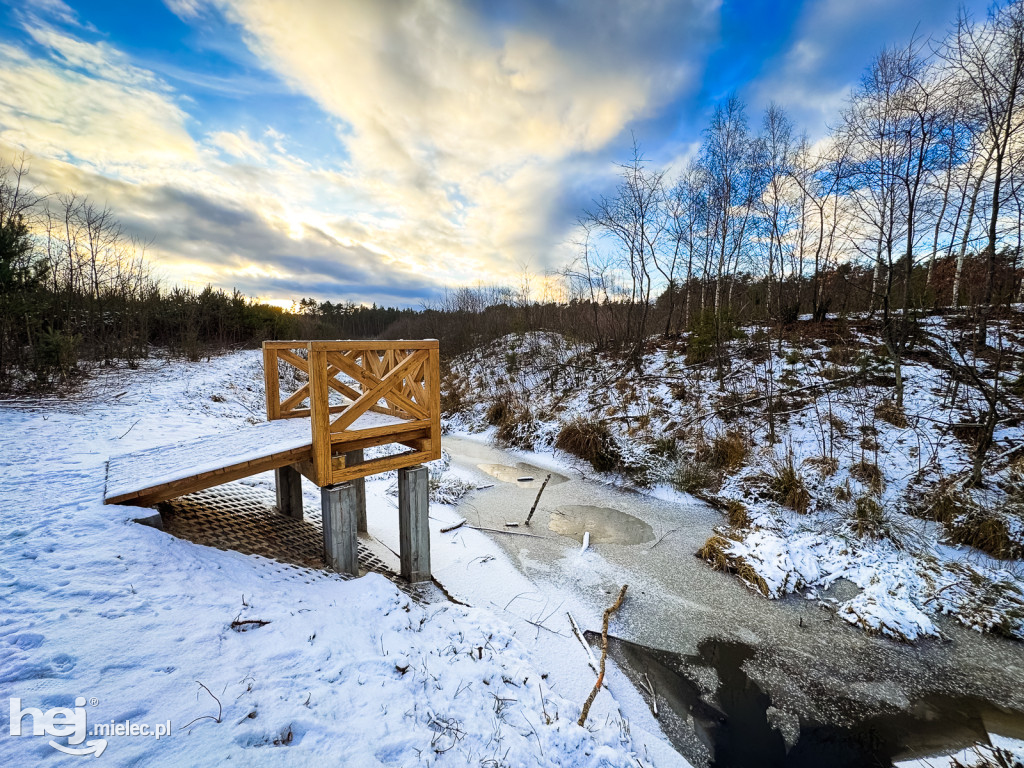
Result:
147,477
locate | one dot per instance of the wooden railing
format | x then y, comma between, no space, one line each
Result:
340,381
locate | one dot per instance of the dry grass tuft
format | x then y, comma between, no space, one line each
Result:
453,397
988,531
591,441
889,412
747,572
946,503
827,465
869,474
692,476
787,484
514,420
728,450
868,517
713,552
737,512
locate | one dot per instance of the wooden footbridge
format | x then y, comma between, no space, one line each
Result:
327,401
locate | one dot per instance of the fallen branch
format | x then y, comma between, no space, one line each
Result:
451,528
499,530
240,623
604,655
220,709
591,659
649,687
537,500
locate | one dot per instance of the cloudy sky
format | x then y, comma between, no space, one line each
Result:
378,150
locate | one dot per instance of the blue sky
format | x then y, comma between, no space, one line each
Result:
379,151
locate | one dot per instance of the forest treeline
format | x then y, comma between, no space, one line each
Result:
75,288
914,200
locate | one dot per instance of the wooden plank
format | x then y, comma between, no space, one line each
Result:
378,344
296,398
149,496
345,345
418,444
433,381
305,469
375,466
271,383
395,430
383,439
320,416
294,360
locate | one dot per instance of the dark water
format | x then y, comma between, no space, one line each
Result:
733,725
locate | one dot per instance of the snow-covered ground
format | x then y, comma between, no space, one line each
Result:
861,467
130,624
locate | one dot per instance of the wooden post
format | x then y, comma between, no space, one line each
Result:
320,415
271,382
351,459
341,545
433,382
289,491
413,528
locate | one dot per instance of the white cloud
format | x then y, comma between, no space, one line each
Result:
457,139
459,129
89,106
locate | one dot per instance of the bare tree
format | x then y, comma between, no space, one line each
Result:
990,57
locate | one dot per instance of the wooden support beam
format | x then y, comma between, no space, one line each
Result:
357,345
288,482
354,458
413,528
338,504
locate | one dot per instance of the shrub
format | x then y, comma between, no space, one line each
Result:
728,450
706,332
786,484
869,474
737,512
888,411
693,476
589,440
991,532
868,517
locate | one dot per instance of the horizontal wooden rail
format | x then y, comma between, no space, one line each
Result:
347,380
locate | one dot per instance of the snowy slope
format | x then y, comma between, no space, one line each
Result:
832,428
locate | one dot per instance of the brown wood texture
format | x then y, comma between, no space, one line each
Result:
148,496
403,374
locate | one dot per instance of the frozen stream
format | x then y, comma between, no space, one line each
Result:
799,664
